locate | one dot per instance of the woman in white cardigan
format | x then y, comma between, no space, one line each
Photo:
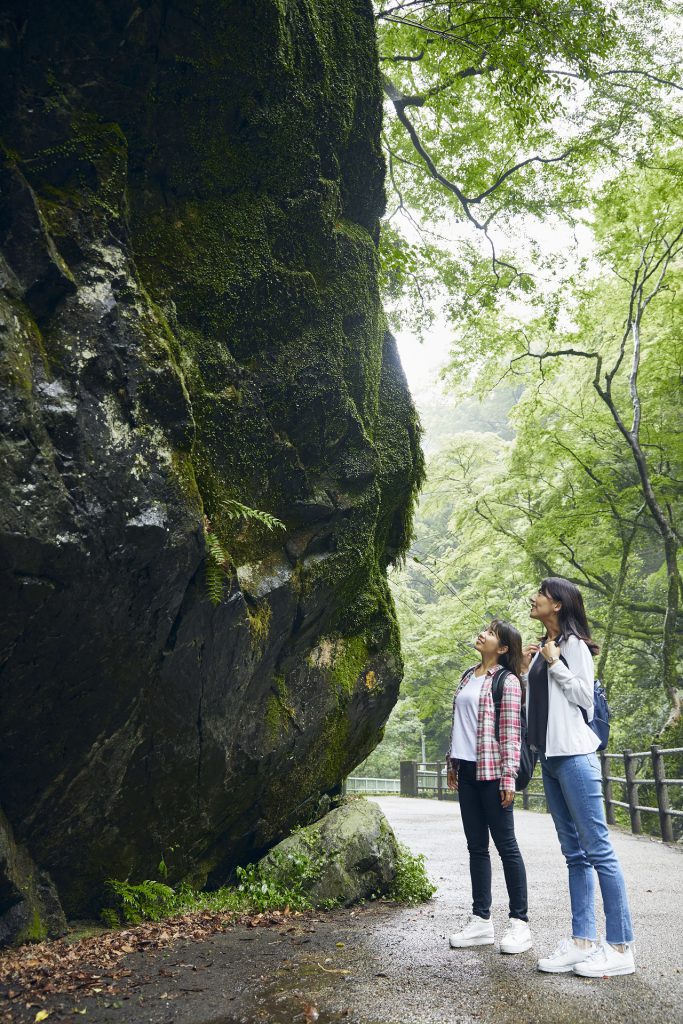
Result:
559,675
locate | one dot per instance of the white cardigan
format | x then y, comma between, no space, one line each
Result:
570,687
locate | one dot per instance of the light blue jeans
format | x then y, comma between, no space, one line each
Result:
573,790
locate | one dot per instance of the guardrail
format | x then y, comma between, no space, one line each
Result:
364,784
634,761
428,779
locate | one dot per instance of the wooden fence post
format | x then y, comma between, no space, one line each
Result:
659,773
408,778
439,782
632,791
607,789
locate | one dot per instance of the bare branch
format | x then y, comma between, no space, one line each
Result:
557,73
517,167
397,57
426,28
633,380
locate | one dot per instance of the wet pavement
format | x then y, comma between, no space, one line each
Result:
380,964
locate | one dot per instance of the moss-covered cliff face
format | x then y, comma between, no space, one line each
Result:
189,314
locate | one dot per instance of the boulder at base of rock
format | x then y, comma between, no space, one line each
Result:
29,908
347,856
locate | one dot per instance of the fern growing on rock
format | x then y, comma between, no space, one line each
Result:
236,510
217,558
217,562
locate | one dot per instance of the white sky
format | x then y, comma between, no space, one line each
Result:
423,360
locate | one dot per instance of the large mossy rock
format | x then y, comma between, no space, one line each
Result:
349,855
189,318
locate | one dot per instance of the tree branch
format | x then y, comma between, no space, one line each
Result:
518,167
555,72
397,57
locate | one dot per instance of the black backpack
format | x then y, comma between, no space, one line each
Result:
527,756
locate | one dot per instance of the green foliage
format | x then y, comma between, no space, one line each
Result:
217,562
550,487
256,890
502,119
411,884
148,901
236,510
278,883
283,881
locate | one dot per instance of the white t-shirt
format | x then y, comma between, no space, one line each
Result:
464,738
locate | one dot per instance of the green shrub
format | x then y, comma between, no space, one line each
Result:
279,884
411,884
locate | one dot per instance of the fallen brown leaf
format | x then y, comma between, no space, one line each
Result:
93,965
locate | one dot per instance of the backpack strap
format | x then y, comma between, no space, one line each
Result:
584,713
497,684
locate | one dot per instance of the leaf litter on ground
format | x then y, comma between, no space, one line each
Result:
33,974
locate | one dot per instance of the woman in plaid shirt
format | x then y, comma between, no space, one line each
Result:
483,770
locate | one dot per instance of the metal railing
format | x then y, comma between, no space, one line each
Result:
363,784
428,779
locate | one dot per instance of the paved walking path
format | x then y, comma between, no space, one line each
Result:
654,877
380,964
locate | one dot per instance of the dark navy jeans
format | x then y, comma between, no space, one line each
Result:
482,815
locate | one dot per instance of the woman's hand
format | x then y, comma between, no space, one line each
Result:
527,655
507,797
452,779
550,651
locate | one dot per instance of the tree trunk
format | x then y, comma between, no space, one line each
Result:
670,679
626,542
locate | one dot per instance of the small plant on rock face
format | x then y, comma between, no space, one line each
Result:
282,882
217,558
236,510
217,563
411,883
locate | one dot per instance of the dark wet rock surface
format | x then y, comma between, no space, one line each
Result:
190,316
395,967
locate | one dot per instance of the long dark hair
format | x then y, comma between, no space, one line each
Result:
572,614
510,637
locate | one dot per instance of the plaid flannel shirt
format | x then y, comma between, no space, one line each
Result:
495,760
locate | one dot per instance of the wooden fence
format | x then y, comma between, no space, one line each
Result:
428,779
634,762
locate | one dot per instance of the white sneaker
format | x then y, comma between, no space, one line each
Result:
606,962
562,959
477,932
517,938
